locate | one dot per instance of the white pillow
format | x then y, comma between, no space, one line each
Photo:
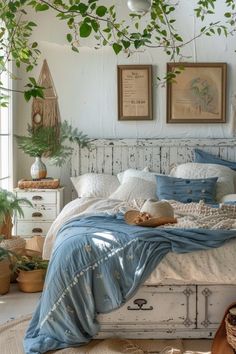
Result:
228,198
95,185
135,188
123,177
191,170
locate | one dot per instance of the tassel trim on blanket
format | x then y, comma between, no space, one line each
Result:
80,274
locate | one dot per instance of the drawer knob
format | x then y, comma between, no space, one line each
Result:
37,197
37,215
140,303
37,230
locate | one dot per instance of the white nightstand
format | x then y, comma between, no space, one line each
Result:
47,204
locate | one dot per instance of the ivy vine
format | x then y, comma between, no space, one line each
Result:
92,18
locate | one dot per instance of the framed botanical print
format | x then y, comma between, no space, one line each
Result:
197,94
134,92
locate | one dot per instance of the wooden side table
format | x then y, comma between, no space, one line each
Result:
47,204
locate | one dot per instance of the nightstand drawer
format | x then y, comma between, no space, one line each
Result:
47,204
40,213
26,228
39,197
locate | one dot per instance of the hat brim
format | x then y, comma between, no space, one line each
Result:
131,215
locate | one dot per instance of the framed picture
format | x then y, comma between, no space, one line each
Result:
134,92
197,94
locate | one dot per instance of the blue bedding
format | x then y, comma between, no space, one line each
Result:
98,263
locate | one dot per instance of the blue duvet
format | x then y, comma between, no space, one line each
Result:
98,263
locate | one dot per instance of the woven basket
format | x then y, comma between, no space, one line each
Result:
31,281
5,275
41,184
15,244
231,333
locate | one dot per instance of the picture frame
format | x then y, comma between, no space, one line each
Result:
197,94
135,92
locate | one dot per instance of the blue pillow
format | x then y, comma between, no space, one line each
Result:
205,157
186,190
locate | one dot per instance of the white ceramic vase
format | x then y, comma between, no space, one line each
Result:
38,169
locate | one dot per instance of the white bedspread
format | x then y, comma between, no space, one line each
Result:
216,266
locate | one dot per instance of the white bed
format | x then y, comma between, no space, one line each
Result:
180,299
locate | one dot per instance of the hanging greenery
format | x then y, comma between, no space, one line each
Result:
93,18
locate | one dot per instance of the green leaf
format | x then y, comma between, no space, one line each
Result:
82,8
95,25
117,48
126,44
33,81
27,95
75,49
69,37
85,30
41,7
101,11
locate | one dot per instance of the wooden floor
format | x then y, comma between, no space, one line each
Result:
16,304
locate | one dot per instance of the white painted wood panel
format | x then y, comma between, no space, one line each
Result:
38,197
212,303
33,228
39,212
156,307
160,155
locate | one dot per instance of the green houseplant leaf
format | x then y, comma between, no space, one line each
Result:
10,205
54,143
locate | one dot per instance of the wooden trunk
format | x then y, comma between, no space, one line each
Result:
169,311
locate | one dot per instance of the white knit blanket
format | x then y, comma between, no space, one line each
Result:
201,215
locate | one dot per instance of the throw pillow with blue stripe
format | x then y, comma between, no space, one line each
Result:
186,190
205,157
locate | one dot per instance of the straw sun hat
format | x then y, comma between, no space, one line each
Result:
153,213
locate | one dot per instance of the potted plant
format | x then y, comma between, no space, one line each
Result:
50,142
5,272
9,206
31,273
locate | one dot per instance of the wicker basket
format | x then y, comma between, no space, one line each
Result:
41,184
15,244
231,333
5,276
31,281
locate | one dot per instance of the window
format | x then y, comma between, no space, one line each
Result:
6,180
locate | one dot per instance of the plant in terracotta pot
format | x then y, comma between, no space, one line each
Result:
9,206
50,142
31,273
5,271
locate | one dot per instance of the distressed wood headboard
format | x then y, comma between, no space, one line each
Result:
115,155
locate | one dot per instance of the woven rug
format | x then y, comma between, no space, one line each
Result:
11,335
